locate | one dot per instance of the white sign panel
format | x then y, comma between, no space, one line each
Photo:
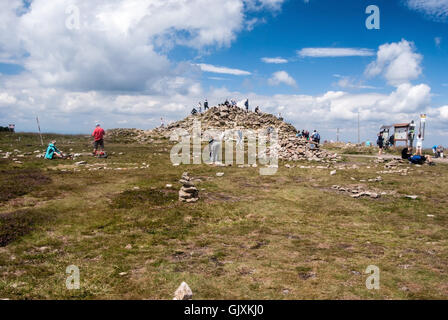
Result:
400,134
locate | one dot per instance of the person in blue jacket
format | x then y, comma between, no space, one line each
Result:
53,152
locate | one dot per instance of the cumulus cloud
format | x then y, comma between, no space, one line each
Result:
118,45
282,77
276,60
434,9
334,52
397,62
222,70
443,112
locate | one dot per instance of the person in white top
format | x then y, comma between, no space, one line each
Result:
419,144
215,145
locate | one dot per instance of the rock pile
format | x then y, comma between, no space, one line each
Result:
291,148
188,193
294,149
358,192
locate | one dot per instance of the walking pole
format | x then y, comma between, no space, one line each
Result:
40,134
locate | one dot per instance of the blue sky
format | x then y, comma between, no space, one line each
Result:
128,63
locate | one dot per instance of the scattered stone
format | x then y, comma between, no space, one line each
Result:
219,174
358,192
81,163
411,197
183,292
128,247
168,186
332,173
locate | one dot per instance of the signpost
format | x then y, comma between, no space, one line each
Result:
422,122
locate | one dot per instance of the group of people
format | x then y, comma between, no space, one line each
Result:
231,104
199,107
407,154
305,134
53,152
438,151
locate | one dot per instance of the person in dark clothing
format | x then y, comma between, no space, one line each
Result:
406,153
418,159
391,140
194,111
246,104
380,143
205,105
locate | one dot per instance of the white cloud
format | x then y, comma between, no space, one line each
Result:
443,112
434,9
120,44
263,4
276,60
349,83
398,62
282,77
437,41
334,52
223,70
6,99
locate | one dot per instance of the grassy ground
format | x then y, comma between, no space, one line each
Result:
287,236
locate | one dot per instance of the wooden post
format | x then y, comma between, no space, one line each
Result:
40,134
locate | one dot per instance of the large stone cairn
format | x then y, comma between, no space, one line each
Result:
222,117
188,193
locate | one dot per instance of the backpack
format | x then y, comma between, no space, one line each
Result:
317,136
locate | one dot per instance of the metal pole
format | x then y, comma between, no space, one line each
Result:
40,134
337,135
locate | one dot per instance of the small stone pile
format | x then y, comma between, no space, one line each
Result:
188,193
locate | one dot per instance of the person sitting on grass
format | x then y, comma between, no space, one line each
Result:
53,152
406,153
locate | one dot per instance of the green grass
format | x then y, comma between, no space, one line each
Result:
287,236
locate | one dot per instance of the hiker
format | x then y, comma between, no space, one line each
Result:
380,143
246,104
162,123
98,135
53,152
257,109
439,152
205,105
280,116
215,148
419,144
406,153
200,107
315,137
434,150
194,111
420,159
391,140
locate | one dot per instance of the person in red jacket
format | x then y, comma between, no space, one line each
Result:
98,135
